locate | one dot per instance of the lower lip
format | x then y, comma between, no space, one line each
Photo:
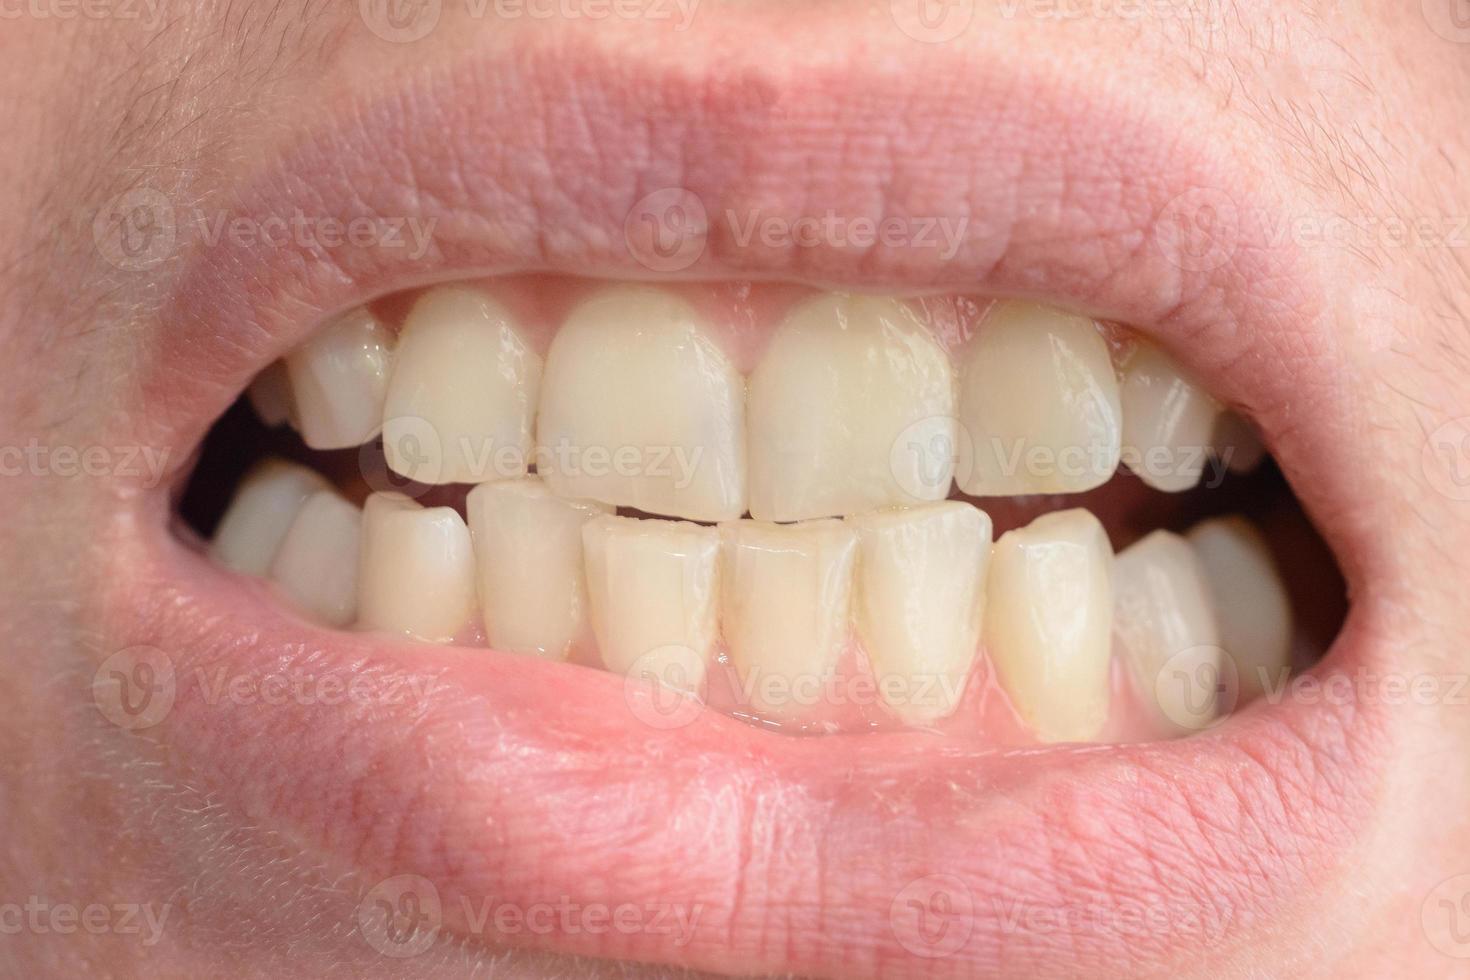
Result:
502,782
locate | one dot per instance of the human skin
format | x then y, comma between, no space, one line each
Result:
1068,136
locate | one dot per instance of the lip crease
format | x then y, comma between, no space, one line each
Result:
798,852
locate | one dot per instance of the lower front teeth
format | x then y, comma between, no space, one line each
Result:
417,571
316,564
264,507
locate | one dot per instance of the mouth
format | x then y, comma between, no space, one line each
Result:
839,608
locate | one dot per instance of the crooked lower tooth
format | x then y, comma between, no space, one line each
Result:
786,594
528,553
338,379
1254,611
417,570
1039,401
316,564
1049,610
1168,421
263,510
1165,628
641,408
462,397
652,590
851,409
920,597
270,395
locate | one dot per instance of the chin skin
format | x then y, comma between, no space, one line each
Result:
1335,842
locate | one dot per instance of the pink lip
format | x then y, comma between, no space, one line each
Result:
524,782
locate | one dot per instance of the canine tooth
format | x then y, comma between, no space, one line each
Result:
270,395
1048,615
338,378
264,507
462,398
652,591
920,596
528,557
417,571
642,408
1166,630
1039,401
316,564
1237,443
846,409
1168,421
1251,600
786,594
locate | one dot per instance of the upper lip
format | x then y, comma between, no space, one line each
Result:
795,851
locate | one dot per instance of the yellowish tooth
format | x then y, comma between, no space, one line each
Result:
338,378
653,591
417,571
1237,443
1165,629
270,395
462,398
642,408
1251,599
1048,617
920,598
1168,421
264,507
528,552
316,564
786,594
1039,402
851,409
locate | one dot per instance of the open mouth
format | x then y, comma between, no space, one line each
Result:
841,611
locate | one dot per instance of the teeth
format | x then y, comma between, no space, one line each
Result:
261,513
1168,421
270,395
786,596
1165,626
1237,443
920,596
462,398
338,378
417,573
1049,610
642,409
1039,400
316,564
846,409
528,552
652,586
1254,610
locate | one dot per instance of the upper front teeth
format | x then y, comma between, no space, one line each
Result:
338,379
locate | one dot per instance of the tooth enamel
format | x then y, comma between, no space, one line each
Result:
462,397
1039,401
641,408
1048,615
1237,443
1254,611
417,572
652,591
316,564
337,381
528,556
1168,421
264,507
786,594
270,395
845,410
919,599
1165,628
